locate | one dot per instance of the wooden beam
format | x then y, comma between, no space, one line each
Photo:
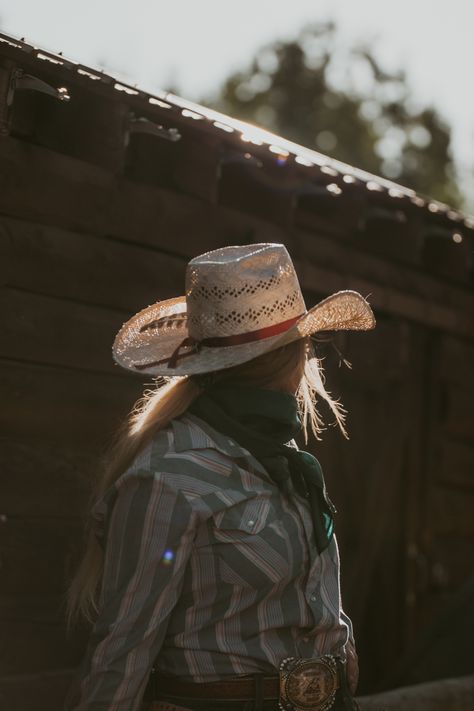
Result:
451,510
36,554
43,329
46,187
100,271
42,186
43,691
457,417
387,299
62,404
58,474
439,695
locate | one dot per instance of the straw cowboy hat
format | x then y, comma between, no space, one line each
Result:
240,302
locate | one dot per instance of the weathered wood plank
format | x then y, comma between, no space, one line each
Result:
451,558
34,636
45,478
196,167
37,553
244,189
60,125
457,415
349,257
387,299
70,193
64,405
446,257
324,213
391,230
95,270
454,360
456,465
451,511
374,352
73,194
41,692
439,695
47,330
367,479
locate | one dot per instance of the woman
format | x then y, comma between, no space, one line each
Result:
212,569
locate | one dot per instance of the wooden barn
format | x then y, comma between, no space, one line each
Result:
105,193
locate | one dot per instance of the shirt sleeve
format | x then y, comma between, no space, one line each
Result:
148,543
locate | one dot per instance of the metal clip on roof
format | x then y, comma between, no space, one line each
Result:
144,125
28,82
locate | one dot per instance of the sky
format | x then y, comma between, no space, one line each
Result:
195,45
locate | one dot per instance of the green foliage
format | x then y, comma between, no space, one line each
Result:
344,105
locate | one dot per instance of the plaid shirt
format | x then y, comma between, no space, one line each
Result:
209,572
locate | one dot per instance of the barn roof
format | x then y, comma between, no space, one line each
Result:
168,116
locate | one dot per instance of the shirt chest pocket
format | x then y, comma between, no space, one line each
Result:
241,521
248,551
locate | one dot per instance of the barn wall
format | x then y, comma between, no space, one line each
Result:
88,238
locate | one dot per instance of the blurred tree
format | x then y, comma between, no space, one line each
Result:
345,105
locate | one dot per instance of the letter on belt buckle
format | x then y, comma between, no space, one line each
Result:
308,684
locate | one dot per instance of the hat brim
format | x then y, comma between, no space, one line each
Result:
147,341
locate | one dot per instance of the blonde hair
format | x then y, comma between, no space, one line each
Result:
170,399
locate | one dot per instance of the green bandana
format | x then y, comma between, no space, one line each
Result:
263,421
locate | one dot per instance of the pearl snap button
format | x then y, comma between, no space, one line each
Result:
313,598
251,522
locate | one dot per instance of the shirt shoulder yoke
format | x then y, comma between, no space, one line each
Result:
190,432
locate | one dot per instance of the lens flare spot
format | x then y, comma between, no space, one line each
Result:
168,557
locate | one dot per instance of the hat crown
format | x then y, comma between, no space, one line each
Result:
235,290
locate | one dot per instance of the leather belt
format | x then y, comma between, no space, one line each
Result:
302,684
240,688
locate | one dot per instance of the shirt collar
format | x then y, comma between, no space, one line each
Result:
190,432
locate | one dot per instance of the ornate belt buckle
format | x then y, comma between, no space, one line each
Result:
308,684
